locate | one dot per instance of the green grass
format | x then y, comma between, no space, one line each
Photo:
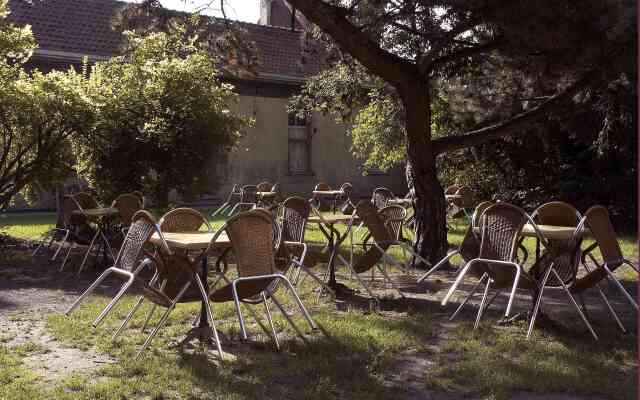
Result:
496,361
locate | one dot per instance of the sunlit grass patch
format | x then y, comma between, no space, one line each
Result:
497,361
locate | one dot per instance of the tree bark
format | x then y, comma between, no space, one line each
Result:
422,177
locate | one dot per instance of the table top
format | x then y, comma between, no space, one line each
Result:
552,232
190,240
328,192
266,194
452,196
400,201
97,212
330,218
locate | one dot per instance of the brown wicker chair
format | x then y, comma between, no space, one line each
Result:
127,204
556,213
469,247
596,219
394,217
501,227
81,232
248,200
376,244
252,238
323,202
127,263
184,220
561,258
61,231
264,186
381,196
140,196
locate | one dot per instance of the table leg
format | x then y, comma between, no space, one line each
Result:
204,322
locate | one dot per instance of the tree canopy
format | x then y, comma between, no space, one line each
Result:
159,111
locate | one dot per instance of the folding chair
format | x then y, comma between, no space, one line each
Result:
229,203
248,200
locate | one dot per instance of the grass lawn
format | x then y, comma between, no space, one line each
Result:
360,358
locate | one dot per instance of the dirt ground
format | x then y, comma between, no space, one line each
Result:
31,288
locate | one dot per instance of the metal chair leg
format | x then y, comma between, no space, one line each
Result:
586,321
437,266
64,262
620,287
273,328
516,282
236,301
163,320
482,305
128,317
466,299
611,310
88,291
288,318
536,307
455,285
86,255
113,302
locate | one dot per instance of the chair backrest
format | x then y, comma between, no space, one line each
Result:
322,186
276,188
381,196
394,217
183,220
143,225
264,187
252,239
598,221
248,194
140,196
295,212
466,197
127,204
69,205
85,200
501,225
470,245
347,191
451,189
556,213
375,222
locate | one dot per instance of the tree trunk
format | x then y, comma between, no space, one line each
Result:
422,178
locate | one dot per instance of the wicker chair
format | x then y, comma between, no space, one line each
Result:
469,247
81,232
556,213
381,196
376,244
234,196
264,186
295,212
140,196
394,217
596,219
252,237
61,231
501,226
323,203
184,220
127,204
248,200
561,258
127,263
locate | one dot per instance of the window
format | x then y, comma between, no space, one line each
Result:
299,131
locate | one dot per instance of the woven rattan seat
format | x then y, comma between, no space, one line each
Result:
184,220
127,204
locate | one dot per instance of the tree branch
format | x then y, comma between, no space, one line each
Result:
516,123
358,44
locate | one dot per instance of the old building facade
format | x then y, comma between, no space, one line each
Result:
279,148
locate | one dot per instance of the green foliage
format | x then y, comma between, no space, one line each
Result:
38,113
159,112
